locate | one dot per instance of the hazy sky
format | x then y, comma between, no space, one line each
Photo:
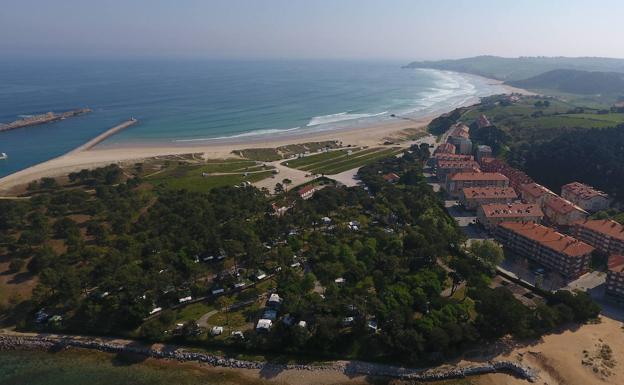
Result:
350,29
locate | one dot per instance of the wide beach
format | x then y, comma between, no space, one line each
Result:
375,133
100,156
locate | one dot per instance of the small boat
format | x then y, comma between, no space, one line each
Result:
3,155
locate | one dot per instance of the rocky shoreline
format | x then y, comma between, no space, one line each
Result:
53,342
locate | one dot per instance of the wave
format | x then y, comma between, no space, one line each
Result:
342,116
242,135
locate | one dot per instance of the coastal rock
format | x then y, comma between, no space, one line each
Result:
15,342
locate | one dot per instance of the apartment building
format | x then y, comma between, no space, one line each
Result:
473,197
585,196
562,253
491,215
456,182
604,234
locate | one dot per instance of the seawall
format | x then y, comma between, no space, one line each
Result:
56,342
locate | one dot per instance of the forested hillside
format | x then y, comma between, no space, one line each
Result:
595,157
575,82
509,69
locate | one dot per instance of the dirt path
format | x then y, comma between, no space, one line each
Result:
202,322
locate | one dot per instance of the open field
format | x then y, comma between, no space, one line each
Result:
355,161
310,161
204,177
277,153
335,162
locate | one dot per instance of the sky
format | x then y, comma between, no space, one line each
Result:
311,29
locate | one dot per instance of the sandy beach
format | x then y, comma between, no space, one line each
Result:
97,156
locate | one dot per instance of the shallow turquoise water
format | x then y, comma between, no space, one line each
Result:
196,101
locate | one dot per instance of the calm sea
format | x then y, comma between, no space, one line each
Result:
94,368
198,101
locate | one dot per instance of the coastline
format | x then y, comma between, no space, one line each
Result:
558,358
98,155
76,160
332,371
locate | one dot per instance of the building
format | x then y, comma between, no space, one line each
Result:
483,121
391,177
473,197
561,212
264,325
603,234
457,182
463,145
534,193
483,152
460,138
491,215
444,156
586,197
307,192
460,130
449,167
516,177
562,253
615,276
445,148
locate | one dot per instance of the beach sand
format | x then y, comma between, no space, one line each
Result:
86,156
101,156
558,358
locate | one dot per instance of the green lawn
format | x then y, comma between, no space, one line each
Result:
563,121
190,177
307,161
354,161
193,311
612,117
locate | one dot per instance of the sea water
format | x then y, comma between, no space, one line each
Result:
198,101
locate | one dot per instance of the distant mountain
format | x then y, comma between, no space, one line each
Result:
575,82
510,69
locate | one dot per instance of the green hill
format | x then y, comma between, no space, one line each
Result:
575,82
510,69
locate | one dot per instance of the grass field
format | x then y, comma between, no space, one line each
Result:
525,122
189,177
309,161
344,162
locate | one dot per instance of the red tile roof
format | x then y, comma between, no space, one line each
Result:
560,205
391,177
549,238
490,192
306,189
535,190
582,191
605,226
512,210
445,148
460,130
478,176
469,164
446,156
616,263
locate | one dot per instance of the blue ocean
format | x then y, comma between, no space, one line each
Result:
198,101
